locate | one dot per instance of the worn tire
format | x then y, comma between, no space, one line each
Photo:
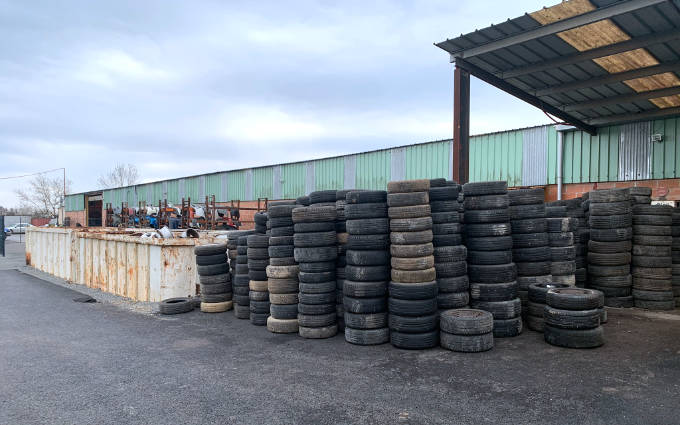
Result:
570,338
176,306
414,341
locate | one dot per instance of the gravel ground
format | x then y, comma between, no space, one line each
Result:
67,362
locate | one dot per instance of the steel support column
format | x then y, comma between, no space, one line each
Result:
461,125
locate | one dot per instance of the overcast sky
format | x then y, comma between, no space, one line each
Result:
187,87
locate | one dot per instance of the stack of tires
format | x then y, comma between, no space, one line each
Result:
367,270
572,318
536,305
213,274
450,255
258,260
640,195
652,257
492,273
316,251
466,330
609,247
412,302
675,253
341,262
581,235
282,272
529,239
562,249
241,282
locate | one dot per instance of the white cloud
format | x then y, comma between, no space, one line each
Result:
107,67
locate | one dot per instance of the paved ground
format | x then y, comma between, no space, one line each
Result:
14,254
67,362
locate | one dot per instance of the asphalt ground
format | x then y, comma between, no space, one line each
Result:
63,362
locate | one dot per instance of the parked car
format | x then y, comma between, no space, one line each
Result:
18,228
7,232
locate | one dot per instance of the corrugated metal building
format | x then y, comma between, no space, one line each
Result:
523,157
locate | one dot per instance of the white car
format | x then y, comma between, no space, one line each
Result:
18,228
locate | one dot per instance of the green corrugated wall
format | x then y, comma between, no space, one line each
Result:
292,180
373,170
329,173
428,161
263,179
497,156
237,185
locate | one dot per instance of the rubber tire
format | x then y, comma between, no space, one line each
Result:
466,343
570,338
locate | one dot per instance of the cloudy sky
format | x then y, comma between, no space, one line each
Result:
187,87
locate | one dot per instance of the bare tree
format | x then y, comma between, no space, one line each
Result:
44,195
121,175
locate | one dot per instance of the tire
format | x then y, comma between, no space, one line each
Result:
407,186
257,241
413,291
493,273
316,298
538,291
570,338
534,269
317,320
486,230
447,240
522,212
415,341
368,226
407,198
466,343
281,221
529,225
365,305
413,263
314,214
258,253
572,298
215,279
210,249
367,336
318,333
562,268
444,206
645,284
493,243
537,254
368,242
486,202
413,251
317,254
663,210
453,284
283,299
216,307
487,216
213,269
612,291
530,240
414,324
609,247
640,191
219,288
571,319
176,306
613,259
366,196
644,250
367,258
619,302
660,262
282,231
485,188
364,289
526,196
555,211
411,224
507,328
281,251
446,254
561,239
621,281
647,230
282,326
534,323
315,239
411,238
322,226
609,195
652,295
208,260
525,281
451,300
284,312
608,209
500,310
366,321
655,305
363,211
367,273
561,225
653,240
318,267
466,322
444,193
412,211
318,287
652,220
652,272
412,276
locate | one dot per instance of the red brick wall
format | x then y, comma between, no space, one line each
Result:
664,190
77,217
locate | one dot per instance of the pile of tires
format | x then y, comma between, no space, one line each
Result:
530,245
609,247
466,330
675,253
572,318
640,195
258,260
412,303
450,255
241,282
214,277
282,272
536,304
316,252
368,268
562,249
341,262
652,257
492,273
581,236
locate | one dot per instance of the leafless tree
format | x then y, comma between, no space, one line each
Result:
121,175
44,195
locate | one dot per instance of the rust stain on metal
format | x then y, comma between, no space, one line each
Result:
28,258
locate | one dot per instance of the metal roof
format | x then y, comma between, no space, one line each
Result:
588,62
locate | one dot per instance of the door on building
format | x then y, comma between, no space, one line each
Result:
94,210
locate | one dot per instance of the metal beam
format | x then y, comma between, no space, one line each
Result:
461,125
624,98
520,94
562,25
612,49
646,115
609,79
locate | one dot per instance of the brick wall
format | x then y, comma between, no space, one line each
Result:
77,217
664,190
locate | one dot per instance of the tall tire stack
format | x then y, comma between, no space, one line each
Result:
609,248
572,318
529,240
316,252
341,262
241,282
368,268
258,260
652,257
450,255
282,272
581,234
562,249
536,304
213,275
466,330
675,253
492,273
412,303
